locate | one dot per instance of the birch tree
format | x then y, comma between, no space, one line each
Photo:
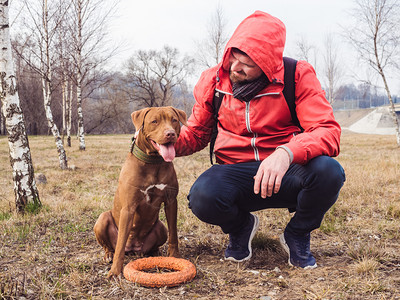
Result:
376,37
25,189
332,69
42,25
65,72
88,26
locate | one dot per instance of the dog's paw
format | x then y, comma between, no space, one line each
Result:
115,277
108,257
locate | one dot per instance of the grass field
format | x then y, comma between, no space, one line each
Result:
53,254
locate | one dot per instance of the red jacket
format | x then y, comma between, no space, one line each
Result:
251,131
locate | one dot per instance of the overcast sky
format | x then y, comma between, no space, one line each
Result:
151,24
180,23
154,23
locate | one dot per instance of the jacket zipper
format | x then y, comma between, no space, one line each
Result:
253,139
247,115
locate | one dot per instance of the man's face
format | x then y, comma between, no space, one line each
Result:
242,68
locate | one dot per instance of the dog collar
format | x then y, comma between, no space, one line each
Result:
143,156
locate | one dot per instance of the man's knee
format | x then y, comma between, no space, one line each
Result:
201,201
208,201
328,172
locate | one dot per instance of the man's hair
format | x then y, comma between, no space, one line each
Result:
238,51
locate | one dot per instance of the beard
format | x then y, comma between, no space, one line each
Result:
239,79
236,79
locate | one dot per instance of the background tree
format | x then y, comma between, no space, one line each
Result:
306,51
42,26
25,189
109,109
64,70
210,49
376,37
332,70
30,91
88,31
152,76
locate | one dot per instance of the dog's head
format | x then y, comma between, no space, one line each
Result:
157,129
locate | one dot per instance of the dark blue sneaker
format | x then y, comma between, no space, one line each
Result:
298,248
239,248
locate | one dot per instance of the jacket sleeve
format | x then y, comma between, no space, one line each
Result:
321,134
197,133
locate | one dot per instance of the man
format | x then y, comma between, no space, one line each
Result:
265,160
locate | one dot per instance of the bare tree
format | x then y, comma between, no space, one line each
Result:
29,91
210,49
109,110
153,75
88,28
306,51
376,37
65,72
332,71
25,189
42,25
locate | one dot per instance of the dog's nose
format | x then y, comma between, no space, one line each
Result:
170,134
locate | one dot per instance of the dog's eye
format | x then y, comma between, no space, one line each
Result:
174,120
154,122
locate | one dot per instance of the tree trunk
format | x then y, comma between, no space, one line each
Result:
392,109
79,79
81,130
25,189
53,127
64,103
69,113
46,86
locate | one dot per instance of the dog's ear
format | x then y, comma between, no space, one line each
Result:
181,115
138,117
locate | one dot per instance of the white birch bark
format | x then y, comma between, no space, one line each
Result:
81,130
64,95
53,127
20,157
69,112
46,85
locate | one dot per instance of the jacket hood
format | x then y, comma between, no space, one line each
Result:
262,37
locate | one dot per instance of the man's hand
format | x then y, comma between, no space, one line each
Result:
270,173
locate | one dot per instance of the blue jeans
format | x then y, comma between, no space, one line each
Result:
224,194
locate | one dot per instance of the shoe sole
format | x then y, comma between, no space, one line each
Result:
253,233
287,250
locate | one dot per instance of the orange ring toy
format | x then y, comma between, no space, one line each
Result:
185,271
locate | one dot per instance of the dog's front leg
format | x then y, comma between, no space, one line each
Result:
171,210
124,228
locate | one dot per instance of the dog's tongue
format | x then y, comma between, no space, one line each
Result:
167,151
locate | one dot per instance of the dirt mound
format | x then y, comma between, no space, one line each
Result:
370,121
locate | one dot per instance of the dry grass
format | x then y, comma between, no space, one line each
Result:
53,254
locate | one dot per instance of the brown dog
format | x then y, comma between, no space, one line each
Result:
147,180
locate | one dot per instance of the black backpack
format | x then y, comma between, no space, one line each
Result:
288,93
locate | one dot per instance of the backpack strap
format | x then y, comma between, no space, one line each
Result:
288,92
289,88
217,100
